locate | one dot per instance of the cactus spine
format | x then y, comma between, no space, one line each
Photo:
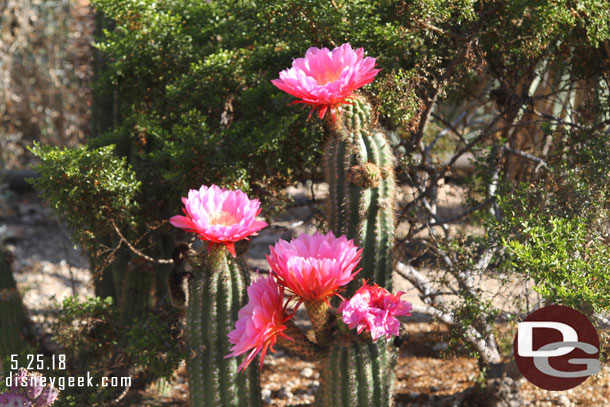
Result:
217,290
359,171
357,374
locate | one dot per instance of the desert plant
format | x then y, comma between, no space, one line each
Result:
359,167
216,291
14,323
496,82
352,341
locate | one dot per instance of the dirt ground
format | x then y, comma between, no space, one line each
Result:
48,268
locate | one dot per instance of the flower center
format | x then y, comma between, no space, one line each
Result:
326,77
222,218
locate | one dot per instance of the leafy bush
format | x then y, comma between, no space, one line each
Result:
568,265
73,179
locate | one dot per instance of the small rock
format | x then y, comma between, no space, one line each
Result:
284,394
564,401
266,393
11,234
434,389
307,372
439,347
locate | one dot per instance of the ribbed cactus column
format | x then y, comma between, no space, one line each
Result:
359,171
217,290
357,374
12,320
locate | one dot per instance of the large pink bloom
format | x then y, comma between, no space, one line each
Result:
260,322
314,267
374,309
219,216
325,79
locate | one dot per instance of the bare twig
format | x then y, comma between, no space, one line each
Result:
489,354
445,221
136,251
431,100
427,294
529,156
450,125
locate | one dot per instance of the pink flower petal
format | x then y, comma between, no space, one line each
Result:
259,322
374,309
219,215
314,267
326,79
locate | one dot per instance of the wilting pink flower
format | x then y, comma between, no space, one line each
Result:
259,322
374,309
219,216
314,267
325,79
27,390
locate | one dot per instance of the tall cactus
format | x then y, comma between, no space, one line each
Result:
217,290
13,322
359,171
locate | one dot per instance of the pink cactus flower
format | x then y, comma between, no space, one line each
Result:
219,216
260,322
326,79
374,309
314,268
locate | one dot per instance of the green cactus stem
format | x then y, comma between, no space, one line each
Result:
14,324
359,168
357,373
217,290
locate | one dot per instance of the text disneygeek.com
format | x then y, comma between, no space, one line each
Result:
75,381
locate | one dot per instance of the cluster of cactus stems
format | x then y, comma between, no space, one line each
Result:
359,168
216,292
355,369
28,390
